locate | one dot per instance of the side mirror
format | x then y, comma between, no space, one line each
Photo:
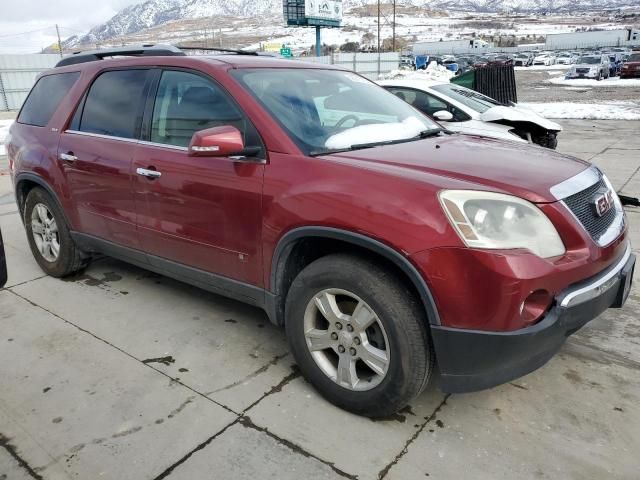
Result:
443,116
216,142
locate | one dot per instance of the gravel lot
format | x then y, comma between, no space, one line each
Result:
122,374
533,87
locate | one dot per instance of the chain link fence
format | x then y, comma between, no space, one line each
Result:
369,65
17,75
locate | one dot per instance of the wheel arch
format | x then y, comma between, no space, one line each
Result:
286,263
25,182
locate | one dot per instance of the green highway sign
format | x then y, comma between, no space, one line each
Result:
286,52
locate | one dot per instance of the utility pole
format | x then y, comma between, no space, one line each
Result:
394,26
378,37
318,42
59,42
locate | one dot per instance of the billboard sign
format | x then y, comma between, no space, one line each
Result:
330,10
313,13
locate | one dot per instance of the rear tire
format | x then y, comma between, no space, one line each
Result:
49,237
358,334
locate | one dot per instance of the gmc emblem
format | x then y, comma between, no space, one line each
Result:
603,203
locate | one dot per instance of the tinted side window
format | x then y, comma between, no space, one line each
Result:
45,97
186,103
115,103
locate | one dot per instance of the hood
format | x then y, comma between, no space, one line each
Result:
518,114
519,169
586,65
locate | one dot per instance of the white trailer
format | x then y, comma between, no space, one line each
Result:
603,38
471,45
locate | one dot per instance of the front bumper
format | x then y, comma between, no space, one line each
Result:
471,360
574,75
630,73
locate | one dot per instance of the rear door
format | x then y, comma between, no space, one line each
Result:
97,154
202,212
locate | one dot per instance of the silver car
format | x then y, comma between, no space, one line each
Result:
590,66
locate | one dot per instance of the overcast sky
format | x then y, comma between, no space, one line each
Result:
20,18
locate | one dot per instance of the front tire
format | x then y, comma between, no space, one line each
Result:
358,334
49,237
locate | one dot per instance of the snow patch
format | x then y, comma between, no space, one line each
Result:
433,72
4,131
557,68
585,82
591,111
377,132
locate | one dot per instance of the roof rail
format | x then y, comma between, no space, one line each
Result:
224,50
132,50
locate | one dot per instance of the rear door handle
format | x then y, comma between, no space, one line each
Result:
68,157
148,173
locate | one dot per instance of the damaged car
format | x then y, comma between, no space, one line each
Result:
467,111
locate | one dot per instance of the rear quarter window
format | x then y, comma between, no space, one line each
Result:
45,97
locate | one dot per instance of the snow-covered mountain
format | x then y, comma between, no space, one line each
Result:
152,13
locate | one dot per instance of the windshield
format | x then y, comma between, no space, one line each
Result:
329,110
472,99
589,60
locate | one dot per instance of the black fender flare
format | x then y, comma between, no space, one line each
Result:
41,182
285,246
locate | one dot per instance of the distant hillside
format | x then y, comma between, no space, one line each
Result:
153,13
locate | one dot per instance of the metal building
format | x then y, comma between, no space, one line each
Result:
626,37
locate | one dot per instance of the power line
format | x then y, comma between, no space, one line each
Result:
52,27
26,33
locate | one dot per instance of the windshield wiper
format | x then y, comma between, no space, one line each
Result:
423,134
361,146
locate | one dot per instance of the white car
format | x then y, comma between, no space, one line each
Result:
466,111
545,59
566,59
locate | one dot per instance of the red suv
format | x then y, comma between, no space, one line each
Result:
383,244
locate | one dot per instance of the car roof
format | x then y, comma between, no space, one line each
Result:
231,60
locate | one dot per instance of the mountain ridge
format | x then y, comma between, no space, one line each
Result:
153,13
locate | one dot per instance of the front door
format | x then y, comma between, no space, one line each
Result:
96,153
203,212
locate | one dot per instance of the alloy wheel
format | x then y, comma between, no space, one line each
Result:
346,339
45,232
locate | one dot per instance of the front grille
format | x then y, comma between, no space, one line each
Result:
582,70
582,206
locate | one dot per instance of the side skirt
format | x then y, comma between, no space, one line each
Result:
208,281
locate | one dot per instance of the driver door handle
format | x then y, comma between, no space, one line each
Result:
148,173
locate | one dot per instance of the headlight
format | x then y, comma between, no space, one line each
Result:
497,221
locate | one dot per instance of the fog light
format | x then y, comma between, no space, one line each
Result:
535,305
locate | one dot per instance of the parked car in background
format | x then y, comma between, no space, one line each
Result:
615,63
631,68
523,60
469,112
381,243
502,60
566,58
590,66
545,58
3,263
